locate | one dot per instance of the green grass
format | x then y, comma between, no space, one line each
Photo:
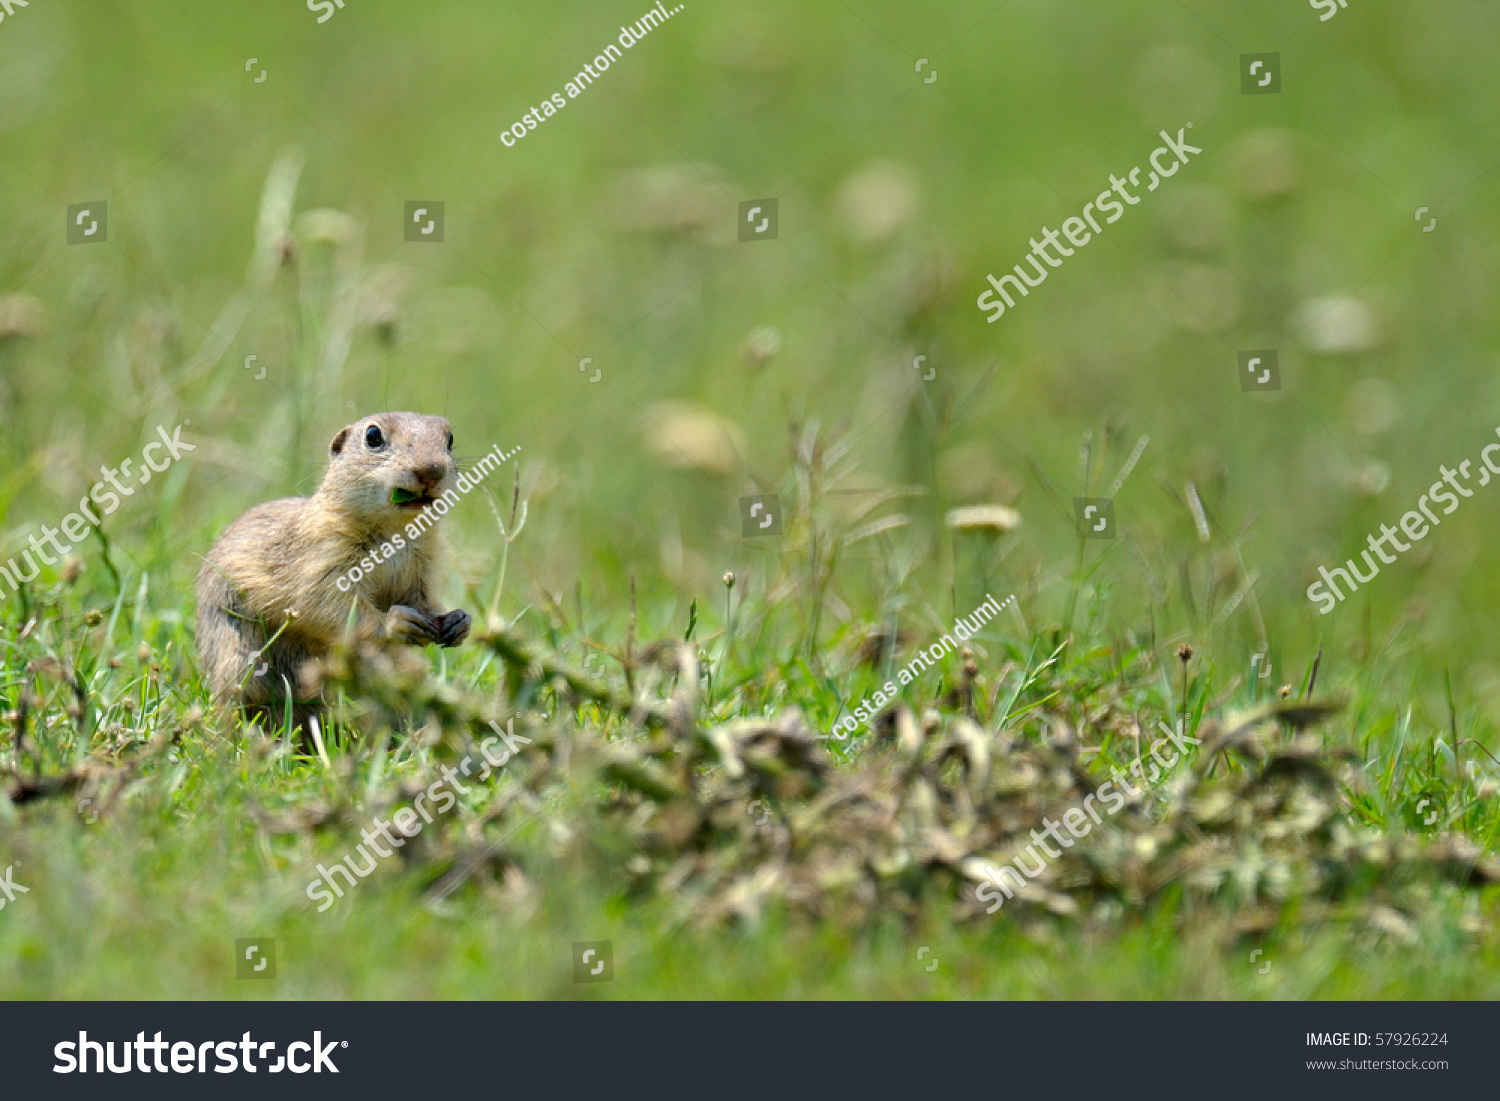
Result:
197,831
263,220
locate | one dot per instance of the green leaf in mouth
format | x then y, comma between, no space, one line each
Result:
401,496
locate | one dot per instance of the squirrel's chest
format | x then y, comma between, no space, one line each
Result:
384,573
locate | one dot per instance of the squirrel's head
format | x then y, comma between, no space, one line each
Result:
387,467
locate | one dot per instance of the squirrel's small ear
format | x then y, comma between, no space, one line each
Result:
337,445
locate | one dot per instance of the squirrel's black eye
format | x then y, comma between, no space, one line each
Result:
373,438
450,441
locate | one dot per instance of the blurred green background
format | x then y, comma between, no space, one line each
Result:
608,232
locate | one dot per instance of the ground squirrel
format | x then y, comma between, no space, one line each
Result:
278,586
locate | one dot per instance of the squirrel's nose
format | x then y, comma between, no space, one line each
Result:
431,473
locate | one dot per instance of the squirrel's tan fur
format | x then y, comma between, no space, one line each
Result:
278,567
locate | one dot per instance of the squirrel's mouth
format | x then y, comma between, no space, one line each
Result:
410,499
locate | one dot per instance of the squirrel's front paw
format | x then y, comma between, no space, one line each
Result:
453,627
403,624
